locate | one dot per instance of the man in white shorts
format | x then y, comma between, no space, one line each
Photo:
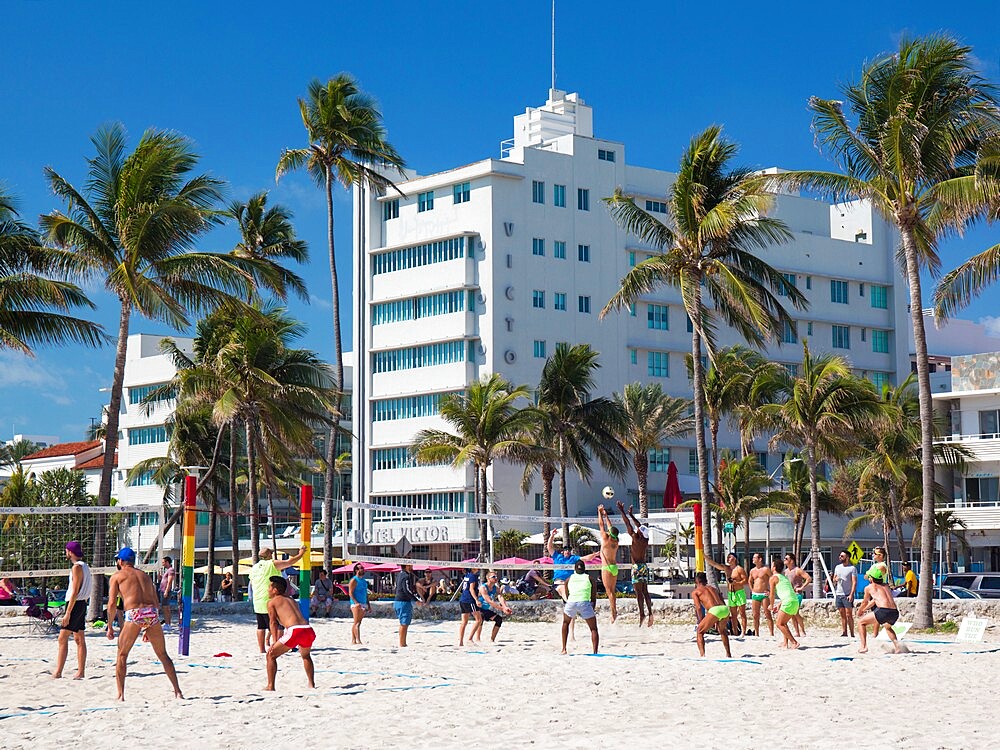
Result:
581,598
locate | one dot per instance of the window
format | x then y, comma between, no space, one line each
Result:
583,304
408,407
140,393
879,296
559,301
539,349
605,155
537,191
809,282
462,192
788,334
583,199
631,259
864,334
791,368
838,291
880,341
418,255
989,422
789,279
429,355
692,461
144,479
539,502
656,317
762,459
982,490
656,207
658,364
841,337
631,309
861,287
427,306
537,246
690,325
583,253
390,210
659,460
431,501
809,328
559,196
879,379
538,299
425,201
559,250
148,435
633,356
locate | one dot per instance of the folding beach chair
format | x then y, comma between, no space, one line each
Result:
40,620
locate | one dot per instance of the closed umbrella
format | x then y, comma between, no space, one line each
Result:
672,492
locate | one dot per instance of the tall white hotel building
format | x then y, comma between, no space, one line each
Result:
487,267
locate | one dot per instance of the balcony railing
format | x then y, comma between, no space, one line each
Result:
976,436
960,502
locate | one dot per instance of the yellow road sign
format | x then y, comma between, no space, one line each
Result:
854,550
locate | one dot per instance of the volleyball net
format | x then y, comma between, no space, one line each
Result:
33,540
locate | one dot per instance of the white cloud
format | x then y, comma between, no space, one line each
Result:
18,370
991,323
320,302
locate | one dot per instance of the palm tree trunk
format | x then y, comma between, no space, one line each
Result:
796,522
252,492
885,543
817,569
234,519
641,462
484,539
746,542
923,616
698,375
563,501
897,522
548,474
338,348
274,520
947,547
716,468
108,467
209,593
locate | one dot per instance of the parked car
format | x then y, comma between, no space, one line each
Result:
956,592
987,585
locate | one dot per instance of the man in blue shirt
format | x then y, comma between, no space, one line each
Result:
563,556
468,602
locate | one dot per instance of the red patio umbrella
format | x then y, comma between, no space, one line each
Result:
672,492
512,561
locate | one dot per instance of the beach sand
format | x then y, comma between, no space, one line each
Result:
649,685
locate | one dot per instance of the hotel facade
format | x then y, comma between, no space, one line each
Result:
487,267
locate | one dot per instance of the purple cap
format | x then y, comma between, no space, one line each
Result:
75,548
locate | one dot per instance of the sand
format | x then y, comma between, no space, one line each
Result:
649,685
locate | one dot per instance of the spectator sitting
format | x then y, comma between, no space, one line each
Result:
322,598
8,593
426,590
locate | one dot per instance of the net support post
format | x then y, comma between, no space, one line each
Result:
699,542
305,566
343,531
187,563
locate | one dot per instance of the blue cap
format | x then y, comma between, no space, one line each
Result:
126,554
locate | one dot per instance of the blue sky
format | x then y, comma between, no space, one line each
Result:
449,77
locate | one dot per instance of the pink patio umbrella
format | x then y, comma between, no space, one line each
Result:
369,568
512,561
543,561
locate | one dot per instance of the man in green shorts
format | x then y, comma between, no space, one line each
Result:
760,587
786,601
640,569
609,559
709,599
737,578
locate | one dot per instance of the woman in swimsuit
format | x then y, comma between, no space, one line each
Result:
358,590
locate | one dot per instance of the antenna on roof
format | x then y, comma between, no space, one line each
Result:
553,45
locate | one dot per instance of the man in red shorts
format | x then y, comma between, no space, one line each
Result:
298,634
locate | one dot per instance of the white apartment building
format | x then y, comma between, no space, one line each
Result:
973,409
487,267
144,434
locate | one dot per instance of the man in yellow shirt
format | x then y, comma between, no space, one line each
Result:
909,581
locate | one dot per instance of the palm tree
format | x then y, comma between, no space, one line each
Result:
489,426
742,493
717,221
824,410
575,424
133,229
920,114
11,455
795,497
509,542
347,146
651,419
32,304
947,525
267,236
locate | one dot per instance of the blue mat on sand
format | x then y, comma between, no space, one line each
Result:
841,658
610,656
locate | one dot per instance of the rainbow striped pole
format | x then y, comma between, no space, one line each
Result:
187,563
305,566
699,542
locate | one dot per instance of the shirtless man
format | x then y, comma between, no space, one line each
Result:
760,589
883,613
142,615
707,598
609,559
640,570
799,579
737,578
285,612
